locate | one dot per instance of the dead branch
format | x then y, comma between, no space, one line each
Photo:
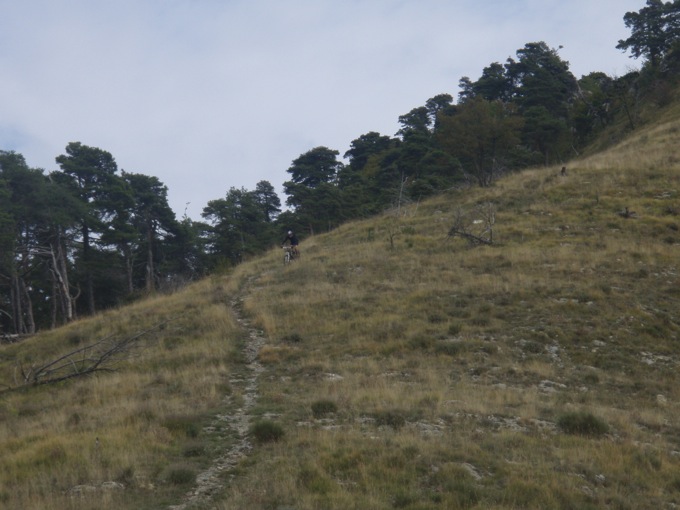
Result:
10,338
475,226
101,356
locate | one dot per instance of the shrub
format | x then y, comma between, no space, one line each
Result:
451,348
182,425
404,498
181,475
393,418
266,431
126,476
455,328
591,378
421,342
293,338
481,321
321,408
314,481
435,318
582,423
193,449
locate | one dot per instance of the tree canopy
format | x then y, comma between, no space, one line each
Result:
655,30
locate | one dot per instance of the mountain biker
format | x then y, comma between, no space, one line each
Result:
293,241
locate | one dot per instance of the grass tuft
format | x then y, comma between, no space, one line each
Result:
395,418
181,474
293,338
582,423
182,425
321,408
266,431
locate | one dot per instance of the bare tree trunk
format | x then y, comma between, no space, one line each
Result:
89,284
129,266
30,320
70,300
17,309
22,308
150,270
60,273
401,193
54,304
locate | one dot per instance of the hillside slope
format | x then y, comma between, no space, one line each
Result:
400,366
539,372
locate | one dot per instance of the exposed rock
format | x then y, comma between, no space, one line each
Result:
473,471
81,490
550,387
112,486
333,377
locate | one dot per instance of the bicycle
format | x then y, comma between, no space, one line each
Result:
289,253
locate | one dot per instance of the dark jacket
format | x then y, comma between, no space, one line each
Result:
292,239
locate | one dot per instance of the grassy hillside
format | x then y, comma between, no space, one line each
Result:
397,366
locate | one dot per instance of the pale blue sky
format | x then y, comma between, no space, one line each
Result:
209,94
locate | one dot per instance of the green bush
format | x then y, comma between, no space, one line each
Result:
314,481
451,348
127,476
182,425
393,418
454,328
421,342
193,449
293,338
181,475
582,423
266,431
321,408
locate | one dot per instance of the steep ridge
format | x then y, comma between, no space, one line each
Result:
421,369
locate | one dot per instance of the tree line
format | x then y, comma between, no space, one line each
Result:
89,236
528,111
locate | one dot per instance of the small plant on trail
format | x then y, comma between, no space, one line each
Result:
182,425
181,475
193,449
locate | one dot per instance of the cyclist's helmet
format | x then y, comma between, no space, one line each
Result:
290,232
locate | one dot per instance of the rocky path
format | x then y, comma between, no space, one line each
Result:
235,424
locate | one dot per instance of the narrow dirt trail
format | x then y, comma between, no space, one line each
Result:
236,423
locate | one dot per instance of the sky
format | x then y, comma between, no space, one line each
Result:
207,95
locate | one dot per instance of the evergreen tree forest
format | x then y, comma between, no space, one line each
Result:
89,236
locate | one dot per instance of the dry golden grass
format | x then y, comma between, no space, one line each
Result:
451,366
129,426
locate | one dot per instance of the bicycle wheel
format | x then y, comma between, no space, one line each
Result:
286,257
